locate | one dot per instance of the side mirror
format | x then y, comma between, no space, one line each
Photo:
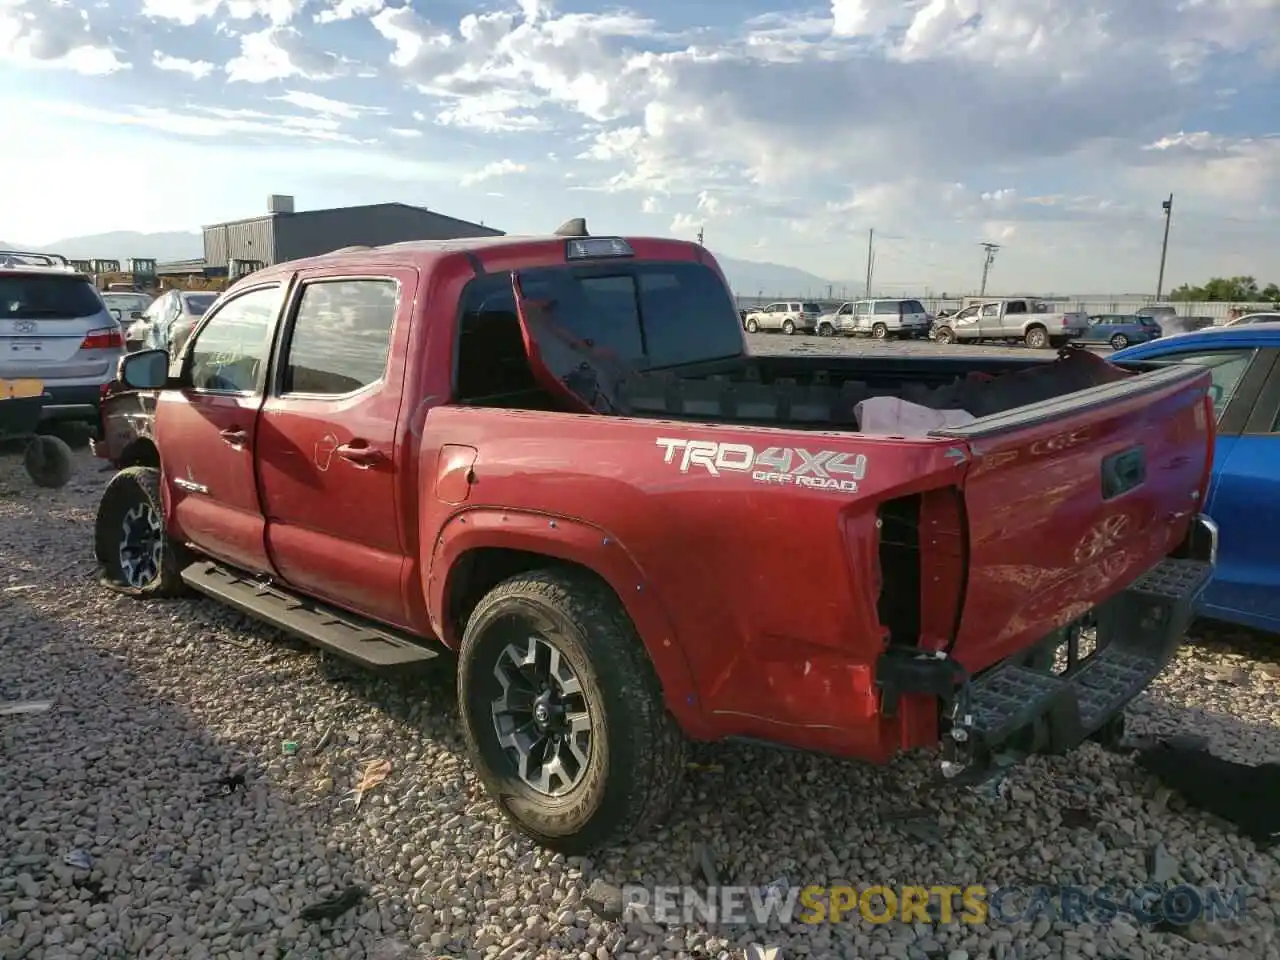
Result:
145,370
136,315
115,313
1215,393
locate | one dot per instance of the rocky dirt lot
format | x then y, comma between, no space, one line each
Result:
118,839
805,344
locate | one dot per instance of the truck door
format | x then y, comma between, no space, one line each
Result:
208,430
330,456
999,320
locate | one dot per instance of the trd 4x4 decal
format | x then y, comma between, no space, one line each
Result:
792,466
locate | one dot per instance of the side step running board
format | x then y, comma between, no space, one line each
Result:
343,634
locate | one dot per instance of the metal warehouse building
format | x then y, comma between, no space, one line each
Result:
283,234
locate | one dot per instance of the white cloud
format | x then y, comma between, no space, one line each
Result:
41,33
1057,125
197,69
190,12
282,53
326,106
349,10
492,171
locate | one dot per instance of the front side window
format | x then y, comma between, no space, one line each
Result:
991,310
1226,366
231,349
341,336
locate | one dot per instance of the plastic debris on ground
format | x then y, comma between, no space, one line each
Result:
375,771
78,860
16,707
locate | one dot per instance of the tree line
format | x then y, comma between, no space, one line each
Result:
1229,290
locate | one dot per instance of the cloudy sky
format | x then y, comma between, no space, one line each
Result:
1052,127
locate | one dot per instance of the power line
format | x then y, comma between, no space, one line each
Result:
990,249
871,236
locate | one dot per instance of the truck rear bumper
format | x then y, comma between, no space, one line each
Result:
1022,705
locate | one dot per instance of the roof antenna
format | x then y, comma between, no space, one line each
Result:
577,227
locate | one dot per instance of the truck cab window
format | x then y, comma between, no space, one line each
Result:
231,348
341,336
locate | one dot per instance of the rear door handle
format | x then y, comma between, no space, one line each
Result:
234,436
360,453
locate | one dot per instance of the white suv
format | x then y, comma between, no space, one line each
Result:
55,328
884,318
789,316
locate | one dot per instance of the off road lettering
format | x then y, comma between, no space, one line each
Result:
786,466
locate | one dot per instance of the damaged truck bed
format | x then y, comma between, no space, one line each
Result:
572,464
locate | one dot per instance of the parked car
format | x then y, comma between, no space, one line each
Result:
789,317
881,319
1250,318
1244,490
128,309
1172,322
1120,330
543,465
1011,319
172,316
55,328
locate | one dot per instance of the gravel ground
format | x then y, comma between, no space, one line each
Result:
805,344
155,702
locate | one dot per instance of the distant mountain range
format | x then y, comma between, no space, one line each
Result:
746,277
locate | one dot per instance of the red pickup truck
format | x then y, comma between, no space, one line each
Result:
555,456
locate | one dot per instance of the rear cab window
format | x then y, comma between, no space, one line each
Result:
909,307
811,308
654,315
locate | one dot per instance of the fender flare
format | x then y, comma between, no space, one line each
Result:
582,543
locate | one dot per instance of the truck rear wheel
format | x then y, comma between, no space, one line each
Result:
1037,338
134,553
563,713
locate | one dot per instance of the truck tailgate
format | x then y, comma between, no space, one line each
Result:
1070,500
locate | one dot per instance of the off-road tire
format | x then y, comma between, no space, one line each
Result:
879,332
1037,338
636,767
127,489
1119,341
48,461
752,326
944,335
788,327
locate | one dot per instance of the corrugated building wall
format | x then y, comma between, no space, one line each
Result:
277,237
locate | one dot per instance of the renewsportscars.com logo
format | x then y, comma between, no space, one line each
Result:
943,904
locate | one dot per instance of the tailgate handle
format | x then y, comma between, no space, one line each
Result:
1123,471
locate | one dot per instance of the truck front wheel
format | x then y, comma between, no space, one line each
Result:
135,555
563,713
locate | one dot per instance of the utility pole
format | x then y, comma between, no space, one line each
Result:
1167,205
991,249
871,236
700,236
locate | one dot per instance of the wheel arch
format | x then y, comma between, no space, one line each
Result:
479,548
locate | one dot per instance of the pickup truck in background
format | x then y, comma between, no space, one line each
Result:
1011,319
565,466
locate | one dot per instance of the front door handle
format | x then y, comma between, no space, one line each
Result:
360,453
234,436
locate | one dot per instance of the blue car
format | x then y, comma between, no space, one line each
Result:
1244,490
1120,329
